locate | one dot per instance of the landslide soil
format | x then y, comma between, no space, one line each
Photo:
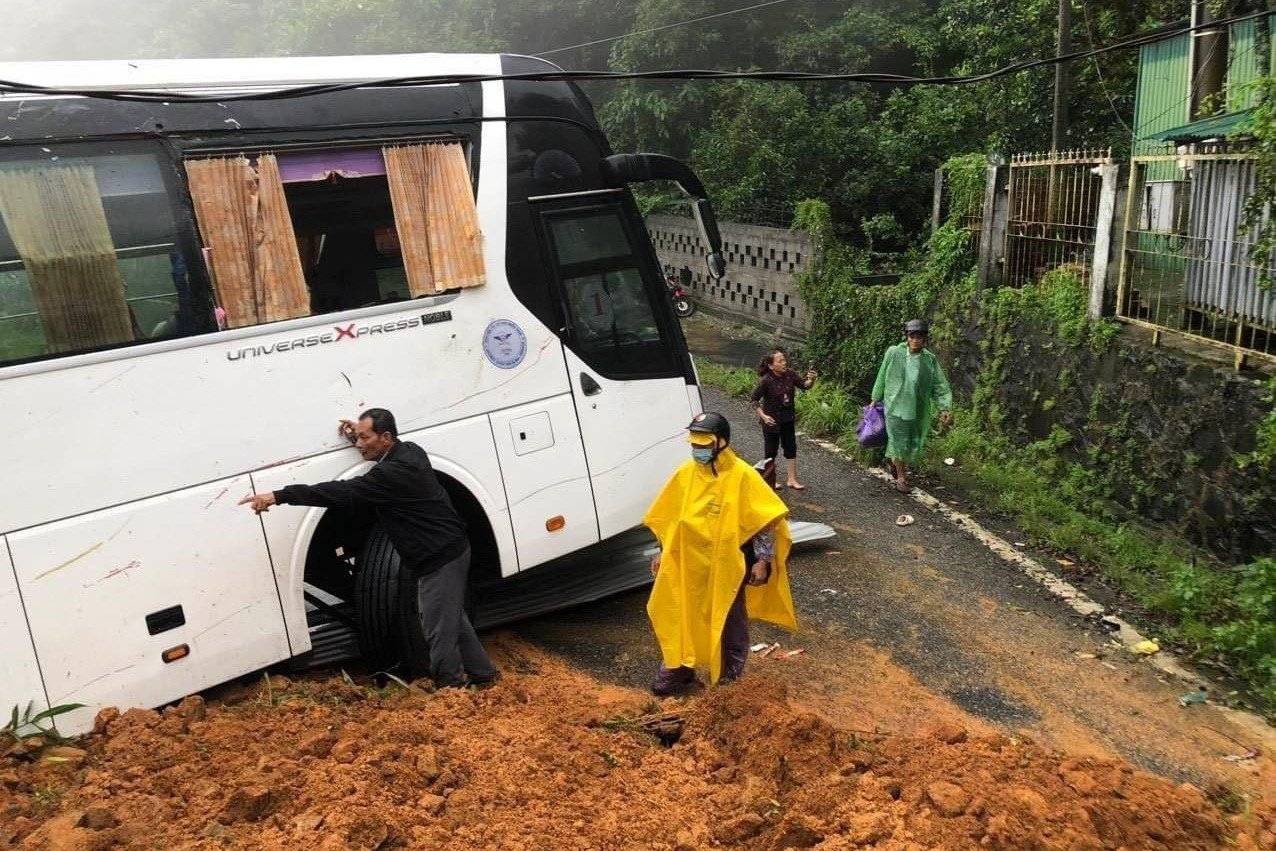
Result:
549,758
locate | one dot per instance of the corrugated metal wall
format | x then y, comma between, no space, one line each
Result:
1161,99
1220,276
1243,66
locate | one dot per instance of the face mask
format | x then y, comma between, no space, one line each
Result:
702,454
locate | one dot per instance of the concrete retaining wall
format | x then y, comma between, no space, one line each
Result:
761,263
1162,425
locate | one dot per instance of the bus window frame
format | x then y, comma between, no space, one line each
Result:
618,202
254,148
185,237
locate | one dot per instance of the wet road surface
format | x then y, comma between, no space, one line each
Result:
905,627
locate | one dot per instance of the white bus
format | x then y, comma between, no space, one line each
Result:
194,291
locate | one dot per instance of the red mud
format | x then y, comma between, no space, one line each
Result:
549,759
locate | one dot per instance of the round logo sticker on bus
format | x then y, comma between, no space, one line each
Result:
505,344
596,309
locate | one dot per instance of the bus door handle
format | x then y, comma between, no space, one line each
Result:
588,385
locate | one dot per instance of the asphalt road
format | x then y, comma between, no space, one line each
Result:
902,627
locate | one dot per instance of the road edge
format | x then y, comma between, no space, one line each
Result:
1073,597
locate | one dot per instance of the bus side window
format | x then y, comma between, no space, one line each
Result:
88,254
314,231
611,315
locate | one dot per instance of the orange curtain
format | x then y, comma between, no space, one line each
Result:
54,215
435,216
243,218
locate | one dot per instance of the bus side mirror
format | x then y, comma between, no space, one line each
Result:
622,169
717,265
708,224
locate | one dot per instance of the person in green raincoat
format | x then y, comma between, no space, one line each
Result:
911,386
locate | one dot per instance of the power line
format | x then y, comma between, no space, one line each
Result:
659,28
1098,70
152,96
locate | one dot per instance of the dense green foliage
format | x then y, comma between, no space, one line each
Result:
1259,204
1264,454
868,151
852,325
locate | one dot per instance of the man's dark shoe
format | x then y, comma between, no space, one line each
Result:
485,682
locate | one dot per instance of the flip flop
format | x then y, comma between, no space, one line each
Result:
798,487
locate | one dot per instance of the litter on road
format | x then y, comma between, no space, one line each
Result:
762,654
905,520
1147,647
1252,753
1192,698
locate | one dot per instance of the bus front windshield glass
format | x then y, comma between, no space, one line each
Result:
612,316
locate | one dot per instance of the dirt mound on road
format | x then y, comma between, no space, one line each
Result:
549,759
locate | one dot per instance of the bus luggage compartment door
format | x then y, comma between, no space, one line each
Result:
20,683
112,598
546,481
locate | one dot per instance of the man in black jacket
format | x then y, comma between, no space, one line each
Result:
425,529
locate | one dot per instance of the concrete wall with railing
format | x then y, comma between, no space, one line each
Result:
761,264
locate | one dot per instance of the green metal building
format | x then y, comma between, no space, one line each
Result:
1162,105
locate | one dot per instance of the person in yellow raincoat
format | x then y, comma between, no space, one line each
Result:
724,547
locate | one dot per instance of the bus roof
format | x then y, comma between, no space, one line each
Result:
243,74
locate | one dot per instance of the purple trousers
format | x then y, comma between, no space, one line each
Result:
735,650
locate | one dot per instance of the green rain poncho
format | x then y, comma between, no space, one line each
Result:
912,388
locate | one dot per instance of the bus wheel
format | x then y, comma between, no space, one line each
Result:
386,609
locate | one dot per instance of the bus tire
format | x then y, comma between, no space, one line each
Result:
390,629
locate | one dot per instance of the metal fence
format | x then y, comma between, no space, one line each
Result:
970,215
1187,262
1052,212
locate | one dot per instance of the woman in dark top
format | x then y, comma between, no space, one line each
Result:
773,401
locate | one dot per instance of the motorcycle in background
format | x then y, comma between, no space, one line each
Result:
683,306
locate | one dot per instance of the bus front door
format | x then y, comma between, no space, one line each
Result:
622,355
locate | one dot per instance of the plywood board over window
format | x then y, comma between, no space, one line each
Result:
435,216
55,217
243,218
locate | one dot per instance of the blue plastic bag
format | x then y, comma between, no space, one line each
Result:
872,430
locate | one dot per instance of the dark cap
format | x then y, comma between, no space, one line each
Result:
917,326
713,423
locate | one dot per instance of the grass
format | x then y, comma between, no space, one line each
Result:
26,723
48,796
734,380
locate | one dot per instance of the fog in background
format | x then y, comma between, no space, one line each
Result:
148,29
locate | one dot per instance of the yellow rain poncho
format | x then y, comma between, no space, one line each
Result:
701,521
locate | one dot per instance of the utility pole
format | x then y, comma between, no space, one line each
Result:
1059,133
1209,63
1059,127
